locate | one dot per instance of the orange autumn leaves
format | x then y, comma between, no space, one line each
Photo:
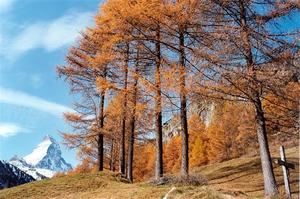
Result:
194,49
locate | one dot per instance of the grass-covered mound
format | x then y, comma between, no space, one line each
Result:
101,185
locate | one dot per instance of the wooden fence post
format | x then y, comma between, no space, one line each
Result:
285,173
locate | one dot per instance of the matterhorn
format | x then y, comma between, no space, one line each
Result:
44,161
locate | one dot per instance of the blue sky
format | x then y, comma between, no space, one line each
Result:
34,38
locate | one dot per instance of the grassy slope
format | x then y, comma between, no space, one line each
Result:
100,185
243,177
240,177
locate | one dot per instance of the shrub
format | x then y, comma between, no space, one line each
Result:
190,180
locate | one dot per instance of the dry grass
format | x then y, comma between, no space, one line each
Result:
243,177
101,185
191,180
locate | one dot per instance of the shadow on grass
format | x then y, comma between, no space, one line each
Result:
247,176
248,168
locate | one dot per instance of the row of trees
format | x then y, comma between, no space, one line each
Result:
143,59
229,134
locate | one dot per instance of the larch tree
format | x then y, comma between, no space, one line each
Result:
147,19
123,117
158,96
137,15
81,75
118,42
247,57
182,16
132,120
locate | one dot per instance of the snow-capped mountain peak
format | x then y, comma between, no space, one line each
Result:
44,161
47,155
41,151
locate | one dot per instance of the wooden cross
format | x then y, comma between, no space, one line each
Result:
285,168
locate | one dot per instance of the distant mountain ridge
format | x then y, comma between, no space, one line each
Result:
44,161
11,175
36,173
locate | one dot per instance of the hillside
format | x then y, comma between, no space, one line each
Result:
238,177
100,185
243,177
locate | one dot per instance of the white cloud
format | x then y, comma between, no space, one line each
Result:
49,35
10,129
65,30
6,5
23,99
28,39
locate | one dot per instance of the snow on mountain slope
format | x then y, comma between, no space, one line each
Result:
39,152
11,175
37,174
44,161
45,172
47,155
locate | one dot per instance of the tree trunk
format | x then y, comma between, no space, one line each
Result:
158,109
183,113
100,152
123,120
112,162
132,129
101,123
130,150
266,161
